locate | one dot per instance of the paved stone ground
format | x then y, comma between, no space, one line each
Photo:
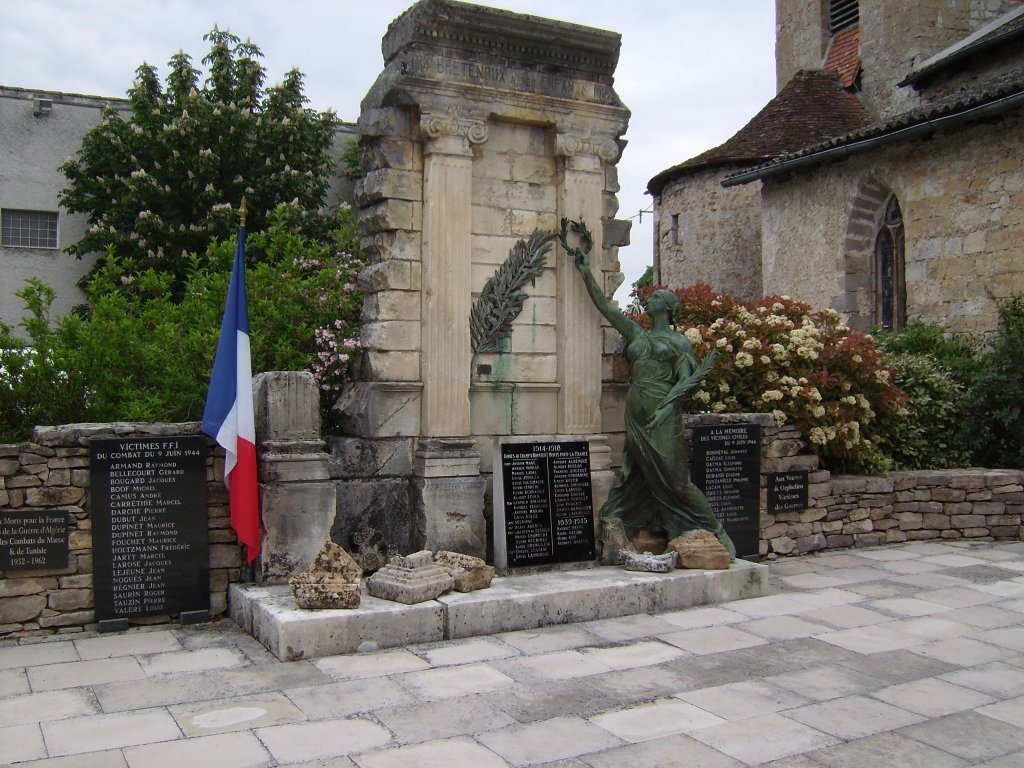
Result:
909,655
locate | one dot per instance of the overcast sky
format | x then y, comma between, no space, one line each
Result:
692,72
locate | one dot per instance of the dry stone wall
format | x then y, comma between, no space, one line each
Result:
52,472
863,511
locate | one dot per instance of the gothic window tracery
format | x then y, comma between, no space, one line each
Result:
890,285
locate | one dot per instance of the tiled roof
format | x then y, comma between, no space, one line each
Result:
1000,93
844,55
811,107
1005,29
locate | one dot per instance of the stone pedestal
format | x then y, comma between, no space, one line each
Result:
448,497
297,495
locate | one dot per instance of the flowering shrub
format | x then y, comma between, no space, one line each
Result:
805,367
933,438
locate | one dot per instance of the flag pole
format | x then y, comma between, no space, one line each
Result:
229,414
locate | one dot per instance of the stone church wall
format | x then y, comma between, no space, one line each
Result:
709,234
962,196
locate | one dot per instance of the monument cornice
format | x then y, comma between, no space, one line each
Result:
437,24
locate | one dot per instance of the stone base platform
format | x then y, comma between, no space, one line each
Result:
270,615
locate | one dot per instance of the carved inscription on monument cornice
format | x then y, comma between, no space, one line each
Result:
453,122
449,67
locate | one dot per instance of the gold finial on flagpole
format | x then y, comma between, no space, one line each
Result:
243,211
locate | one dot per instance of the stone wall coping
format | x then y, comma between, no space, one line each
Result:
79,434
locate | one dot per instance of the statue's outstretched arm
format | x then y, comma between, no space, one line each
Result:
604,305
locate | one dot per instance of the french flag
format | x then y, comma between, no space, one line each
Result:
228,417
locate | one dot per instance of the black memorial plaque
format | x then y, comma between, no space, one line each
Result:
727,468
786,491
548,507
34,540
150,540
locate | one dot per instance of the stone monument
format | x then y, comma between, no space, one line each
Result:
484,127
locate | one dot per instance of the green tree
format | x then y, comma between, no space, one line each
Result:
164,181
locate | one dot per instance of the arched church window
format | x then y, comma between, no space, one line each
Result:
890,286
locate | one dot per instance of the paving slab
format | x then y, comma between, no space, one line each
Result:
783,627
442,753
129,644
963,651
762,739
205,686
548,639
71,674
664,717
853,717
351,667
826,682
639,684
48,705
845,616
465,652
93,733
739,701
13,656
191,661
446,683
560,665
108,758
323,739
1010,711
529,704
432,720
239,714
14,682
996,679
547,740
678,749
228,750
969,735
348,697
932,697
892,750
21,742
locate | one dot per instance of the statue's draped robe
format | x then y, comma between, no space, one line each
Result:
655,490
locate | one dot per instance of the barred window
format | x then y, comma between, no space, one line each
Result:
842,14
29,229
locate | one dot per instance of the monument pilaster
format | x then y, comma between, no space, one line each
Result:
582,156
447,268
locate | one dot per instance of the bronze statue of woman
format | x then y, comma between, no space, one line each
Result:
655,491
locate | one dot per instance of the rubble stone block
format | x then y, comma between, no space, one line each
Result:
702,550
469,573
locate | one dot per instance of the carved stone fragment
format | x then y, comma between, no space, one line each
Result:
470,573
410,579
701,550
332,581
651,563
